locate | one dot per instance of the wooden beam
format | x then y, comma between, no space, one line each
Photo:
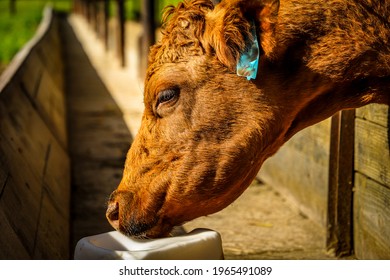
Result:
121,32
106,19
148,36
341,176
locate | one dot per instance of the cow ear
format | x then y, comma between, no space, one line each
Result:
229,28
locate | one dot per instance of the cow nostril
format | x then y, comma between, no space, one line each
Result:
112,214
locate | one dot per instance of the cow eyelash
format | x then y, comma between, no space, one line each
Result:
166,96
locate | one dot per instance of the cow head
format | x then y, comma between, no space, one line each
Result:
205,130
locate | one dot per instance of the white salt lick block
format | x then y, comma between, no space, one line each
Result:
201,244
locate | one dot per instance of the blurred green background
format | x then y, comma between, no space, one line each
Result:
18,25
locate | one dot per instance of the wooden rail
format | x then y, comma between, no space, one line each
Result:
34,163
338,173
96,13
341,180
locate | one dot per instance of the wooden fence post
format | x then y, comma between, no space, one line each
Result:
341,179
121,32
148,36
106,18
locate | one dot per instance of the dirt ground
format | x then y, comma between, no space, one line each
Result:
259,225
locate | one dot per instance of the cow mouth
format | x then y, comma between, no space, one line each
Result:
145,231
136,228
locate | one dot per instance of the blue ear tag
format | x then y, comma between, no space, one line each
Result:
248,62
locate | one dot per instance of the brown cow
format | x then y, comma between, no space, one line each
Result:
206,131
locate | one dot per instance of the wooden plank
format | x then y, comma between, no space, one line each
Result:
31,74
372,156
21,196
34,174
53,232
371,219
376,113
372,195
314,141
3,174
20,203
52,237
50,102
25,143
339,235
57,179
11,247
23,129
49,52
148,35
121,32
106,18
299,170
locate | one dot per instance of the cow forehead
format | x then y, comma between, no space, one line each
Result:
188,15
183,27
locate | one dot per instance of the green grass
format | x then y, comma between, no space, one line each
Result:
164,3
133,8
61,5
18,28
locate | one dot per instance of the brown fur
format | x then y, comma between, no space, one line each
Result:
206,131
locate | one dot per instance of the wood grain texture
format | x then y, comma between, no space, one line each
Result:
11,247
34,164
371,219
52,237
30,74
299,170
50,101
372,183
372,156
20,204
376,113
23,129
339,235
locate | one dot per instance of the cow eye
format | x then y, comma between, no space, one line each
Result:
166,96
166,99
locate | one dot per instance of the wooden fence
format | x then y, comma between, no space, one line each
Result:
97,15
338,173
34,163
371,207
